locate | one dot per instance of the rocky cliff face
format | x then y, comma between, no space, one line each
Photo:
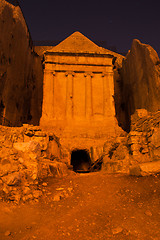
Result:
21,72
141,79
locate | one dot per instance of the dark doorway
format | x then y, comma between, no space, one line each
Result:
80,160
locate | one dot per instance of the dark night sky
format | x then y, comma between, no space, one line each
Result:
116,22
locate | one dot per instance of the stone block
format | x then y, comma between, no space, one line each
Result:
52,168
135,133
32,148
145,169
58,169
12,179
155,139
113,166
53,150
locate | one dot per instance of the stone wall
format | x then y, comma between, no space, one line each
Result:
21,72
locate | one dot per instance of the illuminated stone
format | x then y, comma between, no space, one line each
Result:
78,87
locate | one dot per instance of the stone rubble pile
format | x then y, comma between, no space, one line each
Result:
139,151
27,155
145,142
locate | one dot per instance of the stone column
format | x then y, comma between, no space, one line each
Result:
48,95
69,95
108,93
105,94
88,95
111,90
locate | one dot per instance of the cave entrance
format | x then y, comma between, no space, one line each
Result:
80,160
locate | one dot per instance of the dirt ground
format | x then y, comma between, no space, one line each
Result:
87,206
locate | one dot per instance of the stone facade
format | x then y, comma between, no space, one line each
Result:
78,86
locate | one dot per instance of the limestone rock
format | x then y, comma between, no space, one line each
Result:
52,168
155,139
12,179
53,150
58,169
21,71
7,233
117,230
37,193
32,148
148,213
57,197
8,168
145,169
141,78
120,153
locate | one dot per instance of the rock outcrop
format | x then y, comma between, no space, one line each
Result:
27,156
141,79
21,73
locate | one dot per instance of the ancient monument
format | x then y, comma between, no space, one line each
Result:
93,106
78,86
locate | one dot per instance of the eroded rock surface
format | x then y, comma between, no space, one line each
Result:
21,72
26,158
141,79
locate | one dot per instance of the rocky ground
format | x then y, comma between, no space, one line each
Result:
87,206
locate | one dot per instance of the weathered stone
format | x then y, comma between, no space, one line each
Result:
12,179
29,133
58,169
26,190
120,152
27,197
20,99
156,153
145,150
76,112
57,197
7,233
53,150
142,113
145,169
32,148
44,184
148,213
5,169
135,170
37,193
134,139
155,139
135,133
43,142
141,79
43,169
40,134
114,166
17,197
49,168
117,230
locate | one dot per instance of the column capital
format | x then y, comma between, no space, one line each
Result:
104,74
90,74
86,74
70,73
54,73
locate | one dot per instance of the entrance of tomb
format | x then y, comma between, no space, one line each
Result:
80,160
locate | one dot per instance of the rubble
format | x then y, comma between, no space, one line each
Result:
27,155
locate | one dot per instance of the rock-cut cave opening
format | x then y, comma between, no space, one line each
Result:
80,160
